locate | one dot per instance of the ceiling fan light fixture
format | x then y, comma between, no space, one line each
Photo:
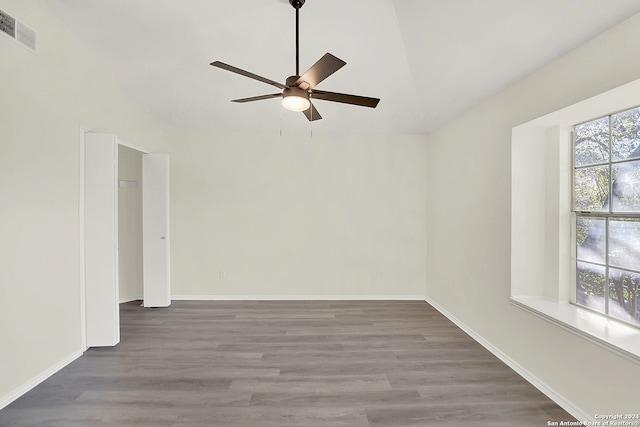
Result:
295,99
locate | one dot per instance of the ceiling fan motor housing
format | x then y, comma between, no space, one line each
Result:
291,81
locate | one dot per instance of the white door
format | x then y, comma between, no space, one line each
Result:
101,239
155,230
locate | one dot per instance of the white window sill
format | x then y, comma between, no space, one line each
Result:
615,336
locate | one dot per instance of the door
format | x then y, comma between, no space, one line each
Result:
155,230
102,317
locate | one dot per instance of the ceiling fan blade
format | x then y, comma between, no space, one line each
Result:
319,71
246,74
345,99
258,98
312,114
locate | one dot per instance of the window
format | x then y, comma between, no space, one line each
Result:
543,238
606,195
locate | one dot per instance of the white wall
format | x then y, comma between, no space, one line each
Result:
46,98
130,224
469,202
328,215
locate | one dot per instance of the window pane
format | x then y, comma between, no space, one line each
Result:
624,243
623,295
590,286
626,186
625,134
591,189
590,239
592,142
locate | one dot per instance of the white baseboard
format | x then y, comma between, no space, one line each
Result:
129,299
23,389
297,297
524,373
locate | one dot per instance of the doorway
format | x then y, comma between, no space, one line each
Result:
124,195
130,271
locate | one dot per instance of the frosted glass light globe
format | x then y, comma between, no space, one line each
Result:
295,99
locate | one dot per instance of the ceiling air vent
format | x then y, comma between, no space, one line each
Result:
18,31
8,24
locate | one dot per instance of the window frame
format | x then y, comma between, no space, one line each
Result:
606,215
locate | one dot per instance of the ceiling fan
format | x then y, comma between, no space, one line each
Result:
299,90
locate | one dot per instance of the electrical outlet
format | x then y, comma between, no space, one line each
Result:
221,274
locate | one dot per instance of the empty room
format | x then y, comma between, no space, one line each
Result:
319,213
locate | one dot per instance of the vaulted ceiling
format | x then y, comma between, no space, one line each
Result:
428,60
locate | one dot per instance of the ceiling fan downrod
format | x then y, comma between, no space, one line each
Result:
297,4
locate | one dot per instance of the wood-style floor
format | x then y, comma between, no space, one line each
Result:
286,363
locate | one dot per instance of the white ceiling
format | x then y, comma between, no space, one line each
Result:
428,60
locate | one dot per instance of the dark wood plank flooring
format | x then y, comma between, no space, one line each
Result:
286,363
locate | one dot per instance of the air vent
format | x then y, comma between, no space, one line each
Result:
8,24
18,31
26,36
